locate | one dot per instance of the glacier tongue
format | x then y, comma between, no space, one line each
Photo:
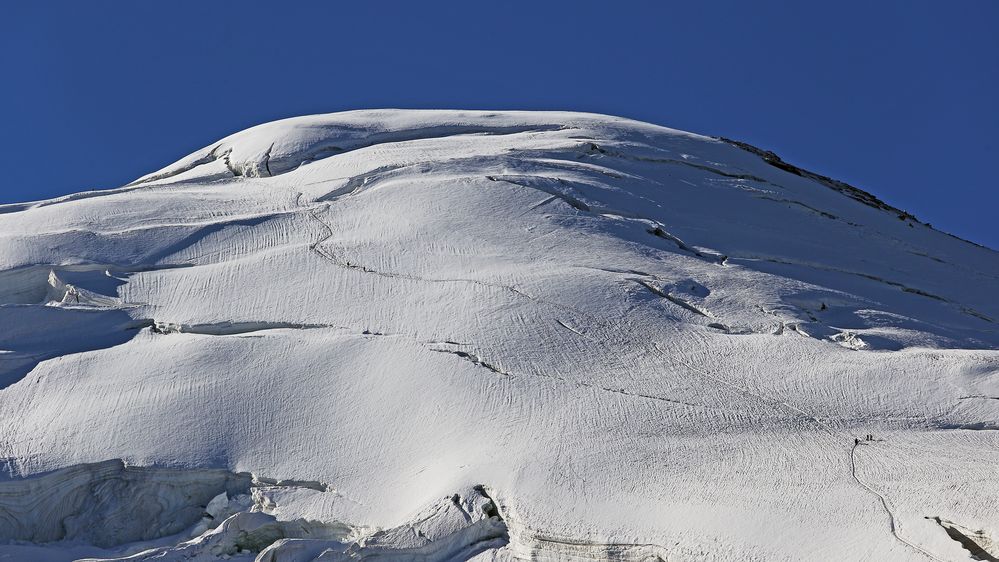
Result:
649,344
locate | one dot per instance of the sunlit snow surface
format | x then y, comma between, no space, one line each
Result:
440,335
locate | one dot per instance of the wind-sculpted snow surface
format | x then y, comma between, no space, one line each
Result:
444,335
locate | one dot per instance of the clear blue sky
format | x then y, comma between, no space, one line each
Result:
900,98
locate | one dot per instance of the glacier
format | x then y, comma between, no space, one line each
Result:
510,335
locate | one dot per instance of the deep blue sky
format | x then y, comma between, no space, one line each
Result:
897,97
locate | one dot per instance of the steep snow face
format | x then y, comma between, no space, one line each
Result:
493,335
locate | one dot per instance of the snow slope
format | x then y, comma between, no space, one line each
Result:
446,335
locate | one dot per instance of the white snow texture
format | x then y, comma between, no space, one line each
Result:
454,335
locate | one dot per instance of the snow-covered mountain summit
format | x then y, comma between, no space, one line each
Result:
502,335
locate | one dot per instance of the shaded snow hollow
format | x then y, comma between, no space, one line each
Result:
456,335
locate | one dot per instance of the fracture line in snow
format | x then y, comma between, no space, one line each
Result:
675,300
236,328
571,329
319,248
904,288
580,384
658,230
594,148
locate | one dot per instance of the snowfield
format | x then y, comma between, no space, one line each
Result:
456,335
